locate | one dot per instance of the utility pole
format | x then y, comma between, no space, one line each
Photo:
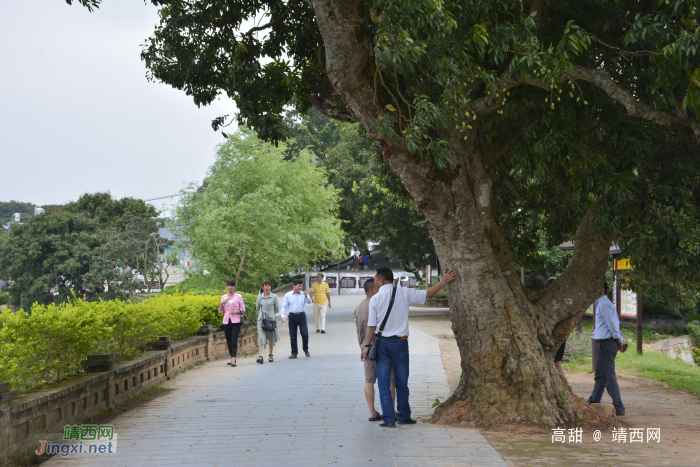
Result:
640,323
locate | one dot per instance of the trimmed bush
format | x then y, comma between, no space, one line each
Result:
4,297
52,342
49,344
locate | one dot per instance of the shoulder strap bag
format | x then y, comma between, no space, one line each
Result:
374,347
267,325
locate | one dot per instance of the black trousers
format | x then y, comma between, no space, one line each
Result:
298,320
605,375
559,356
231,331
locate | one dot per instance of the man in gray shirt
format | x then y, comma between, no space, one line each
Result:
609,340
361,316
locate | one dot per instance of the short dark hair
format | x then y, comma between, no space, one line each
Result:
319,274
266,282
605,285
369,284
386,274
297,281
231,282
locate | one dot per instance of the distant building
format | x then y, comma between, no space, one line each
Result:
177,274
342,281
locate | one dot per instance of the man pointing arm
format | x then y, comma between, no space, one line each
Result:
392,351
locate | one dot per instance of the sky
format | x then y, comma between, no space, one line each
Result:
77,114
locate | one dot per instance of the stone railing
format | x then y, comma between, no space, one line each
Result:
42,414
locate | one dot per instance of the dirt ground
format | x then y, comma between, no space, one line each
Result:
648,405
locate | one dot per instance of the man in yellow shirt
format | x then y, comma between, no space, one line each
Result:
321,297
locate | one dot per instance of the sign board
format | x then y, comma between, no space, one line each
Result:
623,264
628,303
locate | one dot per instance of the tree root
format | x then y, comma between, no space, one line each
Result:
458,414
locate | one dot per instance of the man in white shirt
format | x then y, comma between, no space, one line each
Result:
393,342
294,305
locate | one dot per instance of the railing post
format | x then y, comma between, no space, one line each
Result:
163,343
101,362
6,395
98,362
208,330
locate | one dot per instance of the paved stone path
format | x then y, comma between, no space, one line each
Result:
309,411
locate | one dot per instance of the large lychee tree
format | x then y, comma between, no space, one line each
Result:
575,119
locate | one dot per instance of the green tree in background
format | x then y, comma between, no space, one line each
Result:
43,259
46,258
110,212
8,208
259,215
374,205
373,210
312,131
138,248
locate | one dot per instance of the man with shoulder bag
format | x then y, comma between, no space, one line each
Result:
389,309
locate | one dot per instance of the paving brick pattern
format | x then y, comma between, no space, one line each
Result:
309,411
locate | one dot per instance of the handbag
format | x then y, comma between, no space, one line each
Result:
245,322
374,346
268,325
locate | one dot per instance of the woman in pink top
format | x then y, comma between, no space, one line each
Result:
232,305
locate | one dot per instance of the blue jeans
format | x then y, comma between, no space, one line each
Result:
393,353
298,320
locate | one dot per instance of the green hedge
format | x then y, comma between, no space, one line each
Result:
51,343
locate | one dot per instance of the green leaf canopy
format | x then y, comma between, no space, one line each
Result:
259,215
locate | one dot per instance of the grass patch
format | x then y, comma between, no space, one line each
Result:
676,374
579,363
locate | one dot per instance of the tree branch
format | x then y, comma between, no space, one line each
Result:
536,7
590,259
602,79
329,109
488,104
634,107
347,38
290,6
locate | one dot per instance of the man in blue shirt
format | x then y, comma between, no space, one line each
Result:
609,340
294,304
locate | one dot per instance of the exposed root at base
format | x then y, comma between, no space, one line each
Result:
587,417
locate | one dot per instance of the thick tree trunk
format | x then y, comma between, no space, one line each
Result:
506,334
